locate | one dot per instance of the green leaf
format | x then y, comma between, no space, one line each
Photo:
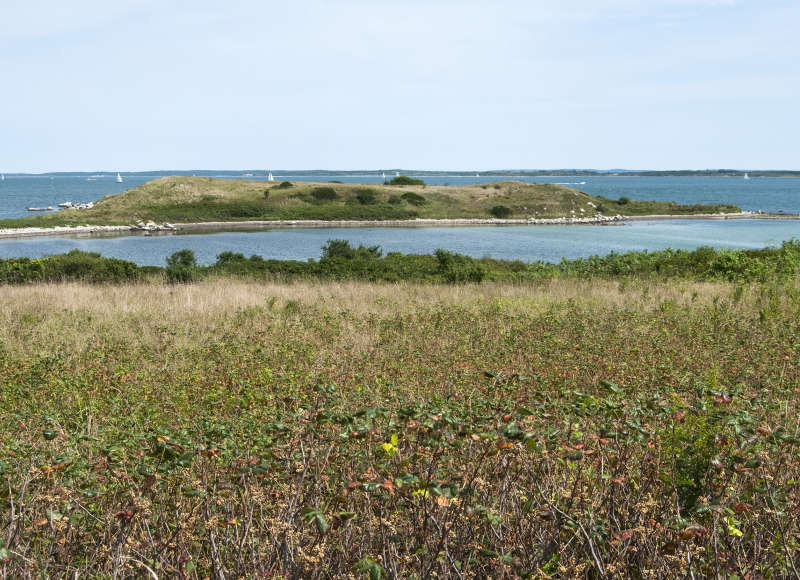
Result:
611,386
315,516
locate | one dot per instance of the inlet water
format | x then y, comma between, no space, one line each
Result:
527,243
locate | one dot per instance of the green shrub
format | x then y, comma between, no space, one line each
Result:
181,267
459,269
324,194
343,249
414,198
366,196
395,200
405,180
501,211
284,185
74,265
624,200
692,447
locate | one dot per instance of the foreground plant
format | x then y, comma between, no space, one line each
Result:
483,439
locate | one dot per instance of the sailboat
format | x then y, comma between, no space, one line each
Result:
269,177
2,176
746,176
477,175
119,178
397,174
384,176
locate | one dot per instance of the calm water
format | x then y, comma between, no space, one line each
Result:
548,243
528,243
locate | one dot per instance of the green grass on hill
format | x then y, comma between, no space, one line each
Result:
201,199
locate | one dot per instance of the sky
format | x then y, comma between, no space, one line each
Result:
377,84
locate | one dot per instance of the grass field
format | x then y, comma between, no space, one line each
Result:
565,429
200,199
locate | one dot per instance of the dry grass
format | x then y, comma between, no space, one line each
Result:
67,315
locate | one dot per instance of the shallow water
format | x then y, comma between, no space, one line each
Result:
527,243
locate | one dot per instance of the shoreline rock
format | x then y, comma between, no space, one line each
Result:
151,227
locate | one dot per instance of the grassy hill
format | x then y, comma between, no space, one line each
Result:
202,199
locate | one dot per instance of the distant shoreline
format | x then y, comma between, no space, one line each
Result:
258,174
15,233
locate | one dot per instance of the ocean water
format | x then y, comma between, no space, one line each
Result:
527,243
547,243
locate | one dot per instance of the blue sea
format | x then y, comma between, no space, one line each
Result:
547,243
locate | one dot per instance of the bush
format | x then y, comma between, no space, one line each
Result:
366,196
692,447
414,198
405,180
266,194
181,267
501,211
624,200
75,265
395,200
284,185
324,194
343,249
459,269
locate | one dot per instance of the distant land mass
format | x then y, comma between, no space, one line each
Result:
487,173
182,199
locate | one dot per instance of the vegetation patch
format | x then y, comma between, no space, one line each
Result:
366,196
341,261
501,211
324,194
405,180
414,198
567,429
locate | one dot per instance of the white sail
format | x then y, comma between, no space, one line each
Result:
269,177
2,176
397,174
119,178
746,176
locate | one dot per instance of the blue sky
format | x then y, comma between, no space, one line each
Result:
427,84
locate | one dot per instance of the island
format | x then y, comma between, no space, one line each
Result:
179,202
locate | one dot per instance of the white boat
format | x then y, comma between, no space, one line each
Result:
384,176
397,174
477,175
269,177
746,176
119,178
2,176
